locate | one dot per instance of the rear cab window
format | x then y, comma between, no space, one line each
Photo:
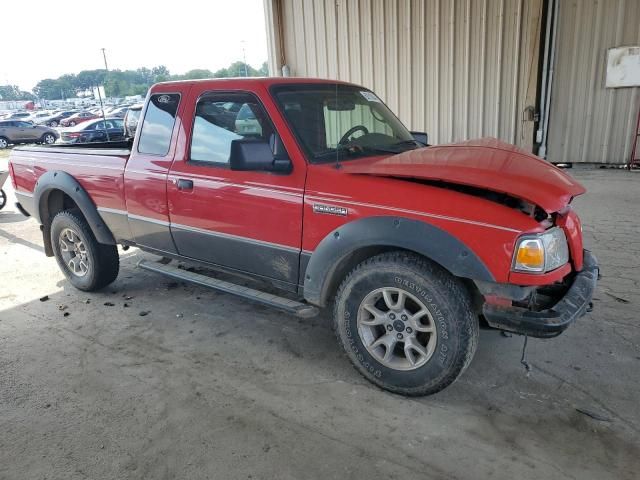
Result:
158,122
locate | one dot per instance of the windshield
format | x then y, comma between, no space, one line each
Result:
341,122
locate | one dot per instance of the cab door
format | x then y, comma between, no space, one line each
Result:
250,221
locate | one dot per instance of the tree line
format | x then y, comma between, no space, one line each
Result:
121,83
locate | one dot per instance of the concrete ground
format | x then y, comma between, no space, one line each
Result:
209,386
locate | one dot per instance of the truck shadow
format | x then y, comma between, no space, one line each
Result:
11,217
20,241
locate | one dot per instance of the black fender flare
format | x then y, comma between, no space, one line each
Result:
58,180
388,231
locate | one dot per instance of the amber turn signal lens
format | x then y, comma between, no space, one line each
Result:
530,256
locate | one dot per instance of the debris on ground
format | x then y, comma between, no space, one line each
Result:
87,301
595,415
179,315
127,297
144,313
45,298
506,334
125,305
66,314
109,304
62,307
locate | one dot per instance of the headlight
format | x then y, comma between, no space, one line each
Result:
541,253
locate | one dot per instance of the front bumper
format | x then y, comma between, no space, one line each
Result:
555,320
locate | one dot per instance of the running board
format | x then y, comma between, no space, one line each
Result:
294,307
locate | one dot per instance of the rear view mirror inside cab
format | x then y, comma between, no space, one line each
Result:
340,104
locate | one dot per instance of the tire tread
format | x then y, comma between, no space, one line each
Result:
461,308
108,260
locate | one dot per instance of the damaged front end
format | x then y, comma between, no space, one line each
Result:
541,311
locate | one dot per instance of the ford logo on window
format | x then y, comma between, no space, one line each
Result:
164,99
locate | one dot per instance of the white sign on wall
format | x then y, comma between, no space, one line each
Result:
623,67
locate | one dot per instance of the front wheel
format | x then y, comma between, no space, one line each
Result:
72,124
3,199
53,123
405,323
4,143
87,264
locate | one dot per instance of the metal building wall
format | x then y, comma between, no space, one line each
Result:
457,69
590,123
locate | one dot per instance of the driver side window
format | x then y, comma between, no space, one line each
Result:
222,118
338,122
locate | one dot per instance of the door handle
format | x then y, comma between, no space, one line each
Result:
183,184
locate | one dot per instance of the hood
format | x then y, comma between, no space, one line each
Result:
486,163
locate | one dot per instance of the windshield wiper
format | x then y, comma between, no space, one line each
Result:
340,151
414,143
359,150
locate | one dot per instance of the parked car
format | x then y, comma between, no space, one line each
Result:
18,115
336,203
131,120
19,131
55,119
119,112
111,129
77,118
38,117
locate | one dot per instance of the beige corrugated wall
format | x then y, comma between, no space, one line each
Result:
457,69
591,123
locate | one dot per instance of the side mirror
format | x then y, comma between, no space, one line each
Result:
256,154
421,137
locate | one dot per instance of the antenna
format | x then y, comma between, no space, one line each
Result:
338,73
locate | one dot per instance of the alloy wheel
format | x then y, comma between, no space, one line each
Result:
397,328
74,252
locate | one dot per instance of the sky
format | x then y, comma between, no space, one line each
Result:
46,39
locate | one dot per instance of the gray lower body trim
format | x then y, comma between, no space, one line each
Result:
151,233
255,257
26,202
117,222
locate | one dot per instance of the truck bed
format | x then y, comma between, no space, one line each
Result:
98,167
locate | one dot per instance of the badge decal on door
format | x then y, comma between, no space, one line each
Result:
330,209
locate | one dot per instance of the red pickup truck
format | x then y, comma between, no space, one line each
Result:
315,187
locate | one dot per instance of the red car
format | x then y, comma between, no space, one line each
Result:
77,118
330,198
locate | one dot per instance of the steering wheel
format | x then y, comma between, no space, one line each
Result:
345,138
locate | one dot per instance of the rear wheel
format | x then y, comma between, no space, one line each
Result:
87,264
53,123
405,323
4,143
3,199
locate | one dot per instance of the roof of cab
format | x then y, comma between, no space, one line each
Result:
248,81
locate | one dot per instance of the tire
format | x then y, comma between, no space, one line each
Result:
3,199
4,143
48,138
53,123
424,359
87,264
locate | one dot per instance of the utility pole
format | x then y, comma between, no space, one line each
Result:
104,120
244,59
104,56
